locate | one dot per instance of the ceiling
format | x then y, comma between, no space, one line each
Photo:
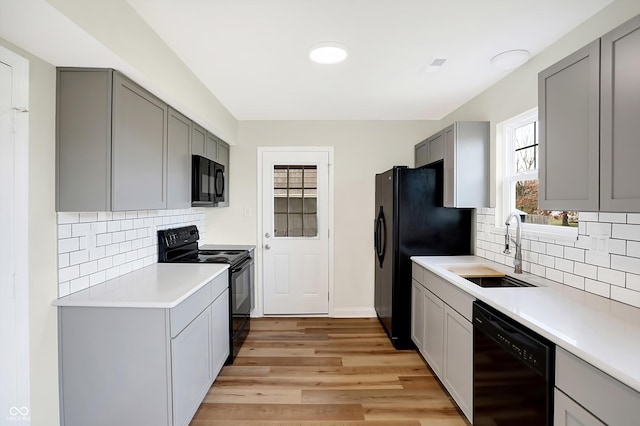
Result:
252,54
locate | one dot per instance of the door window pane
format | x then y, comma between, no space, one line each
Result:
295,192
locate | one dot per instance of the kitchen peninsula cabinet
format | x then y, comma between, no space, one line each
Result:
443,333
111,143
179,161
464,149
588,105
579,395
143,349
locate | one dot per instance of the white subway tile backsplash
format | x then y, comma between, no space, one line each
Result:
68,218
95,247
573,280
611,276
613,217
597,228
633,218
633,282
64,231
597,287
625,295
633,248
79,284
78,257
555,250
587,216
574,254
69,273
626,232
564,265
613,273
553,274
625,263
67,245
584,270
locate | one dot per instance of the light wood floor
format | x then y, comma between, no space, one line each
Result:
324,371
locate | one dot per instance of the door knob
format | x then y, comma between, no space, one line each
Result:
267,246
267,235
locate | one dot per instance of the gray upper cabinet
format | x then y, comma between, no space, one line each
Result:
179,167
588,105
464,149
211,147
111,143
619,125
199,141
435,147
568,109
139,148
421,154
223,158
429,150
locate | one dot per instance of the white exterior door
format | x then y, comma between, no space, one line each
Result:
14,285
295,232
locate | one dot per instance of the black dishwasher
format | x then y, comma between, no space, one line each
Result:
513,372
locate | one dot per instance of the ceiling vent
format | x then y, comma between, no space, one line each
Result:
434,65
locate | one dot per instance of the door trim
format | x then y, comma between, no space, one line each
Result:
259,308
20,125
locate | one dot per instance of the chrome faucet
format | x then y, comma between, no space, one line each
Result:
517,261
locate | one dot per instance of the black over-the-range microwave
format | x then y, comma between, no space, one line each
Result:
207,182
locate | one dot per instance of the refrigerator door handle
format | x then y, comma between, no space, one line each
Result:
381,232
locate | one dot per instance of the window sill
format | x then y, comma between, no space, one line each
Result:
568,234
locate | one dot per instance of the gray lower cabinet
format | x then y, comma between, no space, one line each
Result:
580,388
567,412
588,105
179,161
443,333
464,149
142,366
111,143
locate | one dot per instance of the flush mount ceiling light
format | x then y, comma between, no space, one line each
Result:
510,59
328,53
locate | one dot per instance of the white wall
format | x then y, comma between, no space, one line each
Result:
43,332
118,27
362,149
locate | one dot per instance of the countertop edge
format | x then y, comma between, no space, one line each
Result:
72,300
471,289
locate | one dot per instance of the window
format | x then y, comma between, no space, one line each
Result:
520,136
295,201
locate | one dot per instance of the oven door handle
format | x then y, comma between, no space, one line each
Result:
244,265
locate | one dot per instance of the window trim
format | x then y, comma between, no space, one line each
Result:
508,178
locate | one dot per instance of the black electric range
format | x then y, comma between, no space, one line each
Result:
180,245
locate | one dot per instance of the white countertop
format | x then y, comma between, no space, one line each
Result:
603,332
161,285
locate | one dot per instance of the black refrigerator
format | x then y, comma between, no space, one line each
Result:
411,221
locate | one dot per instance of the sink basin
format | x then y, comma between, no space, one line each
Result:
498,282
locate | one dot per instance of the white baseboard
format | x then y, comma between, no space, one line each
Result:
354,313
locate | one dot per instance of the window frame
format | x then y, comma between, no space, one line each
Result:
509,178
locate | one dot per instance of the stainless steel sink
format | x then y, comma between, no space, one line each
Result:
498,282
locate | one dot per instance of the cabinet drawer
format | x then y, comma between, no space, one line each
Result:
190,308
219,284
586,385
457,299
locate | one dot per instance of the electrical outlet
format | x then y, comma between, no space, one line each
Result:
599,244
